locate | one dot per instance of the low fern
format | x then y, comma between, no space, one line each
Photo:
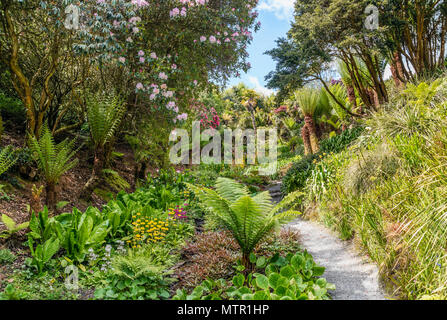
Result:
248,218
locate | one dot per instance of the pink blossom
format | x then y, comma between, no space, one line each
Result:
140,3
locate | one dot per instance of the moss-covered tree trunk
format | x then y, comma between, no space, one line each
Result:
351,95
51,196
98,165
312,133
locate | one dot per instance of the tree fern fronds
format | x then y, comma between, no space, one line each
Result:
249,219
104,115
53,160
264,201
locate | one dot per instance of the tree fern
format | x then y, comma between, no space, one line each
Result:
248,218
53,159
104,115
307,100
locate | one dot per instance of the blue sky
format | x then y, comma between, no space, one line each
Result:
275,17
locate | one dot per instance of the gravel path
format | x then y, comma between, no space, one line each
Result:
354,277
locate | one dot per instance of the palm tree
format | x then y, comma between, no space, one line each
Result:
53,160
308,101
104,115
249,219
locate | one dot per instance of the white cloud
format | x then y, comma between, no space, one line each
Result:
258,87
283,9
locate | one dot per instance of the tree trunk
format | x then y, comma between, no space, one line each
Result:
140,171
98,164
306,140
351,95
249,267
51,196
312,134
397,71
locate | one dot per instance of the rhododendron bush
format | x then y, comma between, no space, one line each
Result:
165,49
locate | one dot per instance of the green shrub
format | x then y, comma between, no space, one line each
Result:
339,142
370,168
296,177
12,109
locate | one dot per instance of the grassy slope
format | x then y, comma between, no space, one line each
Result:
387,191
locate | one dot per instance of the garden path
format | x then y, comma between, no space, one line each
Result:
354,276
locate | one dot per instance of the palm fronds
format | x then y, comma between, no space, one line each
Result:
307,99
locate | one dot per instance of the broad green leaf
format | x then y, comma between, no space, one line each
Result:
318,271
287,271
8,222
262,282
238,280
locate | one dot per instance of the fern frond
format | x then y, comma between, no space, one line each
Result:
104,115
7,159
230,190
264,201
